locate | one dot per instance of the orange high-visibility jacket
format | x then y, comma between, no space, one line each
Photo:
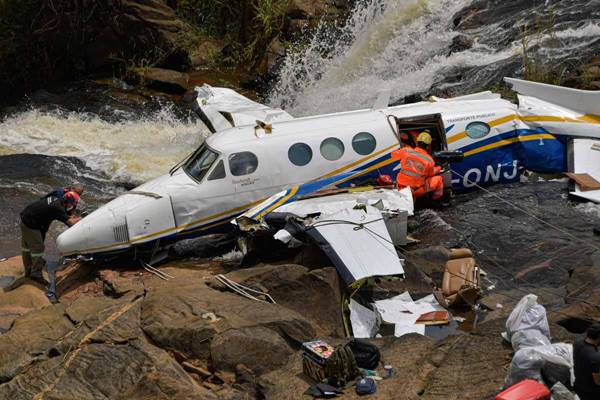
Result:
416,165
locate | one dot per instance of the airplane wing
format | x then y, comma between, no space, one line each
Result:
222,108
356,227
572,113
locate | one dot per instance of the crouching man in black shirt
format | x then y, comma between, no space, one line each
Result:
587,364
35,221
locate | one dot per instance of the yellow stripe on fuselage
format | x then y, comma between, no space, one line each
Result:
584,119
506,142
355,163
281,201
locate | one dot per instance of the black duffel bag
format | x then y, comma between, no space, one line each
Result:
367,355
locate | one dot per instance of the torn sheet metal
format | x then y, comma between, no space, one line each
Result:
357,242
403,312
383,199
586,159
223,108
365,322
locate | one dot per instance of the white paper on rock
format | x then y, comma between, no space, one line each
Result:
364,321
403,312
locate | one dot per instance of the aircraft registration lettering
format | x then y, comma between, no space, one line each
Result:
474,176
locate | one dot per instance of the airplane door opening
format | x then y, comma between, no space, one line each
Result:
407,129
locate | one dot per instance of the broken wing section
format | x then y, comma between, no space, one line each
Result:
558,110
222,108
573,116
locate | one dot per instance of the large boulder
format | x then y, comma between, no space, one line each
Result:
188,317
30,338
316,294
28,297
164,80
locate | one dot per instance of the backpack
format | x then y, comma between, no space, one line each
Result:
367,355
340,367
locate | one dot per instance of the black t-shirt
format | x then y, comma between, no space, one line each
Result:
587,362
40,214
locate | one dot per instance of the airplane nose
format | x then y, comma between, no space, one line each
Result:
69,241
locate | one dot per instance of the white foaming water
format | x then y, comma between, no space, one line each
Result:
134,150
400,45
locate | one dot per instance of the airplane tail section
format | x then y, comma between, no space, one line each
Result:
222,108
568,112
577,100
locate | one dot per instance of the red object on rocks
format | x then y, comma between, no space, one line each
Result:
527,389
384,180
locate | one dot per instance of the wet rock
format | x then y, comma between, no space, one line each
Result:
164,80
460,43
313,294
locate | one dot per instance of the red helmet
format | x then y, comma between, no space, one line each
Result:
70,198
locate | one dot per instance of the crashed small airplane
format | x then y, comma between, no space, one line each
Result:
257,151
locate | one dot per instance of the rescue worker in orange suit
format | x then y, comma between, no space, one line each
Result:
418,170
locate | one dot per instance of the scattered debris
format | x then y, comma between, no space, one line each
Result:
244,290
528,331
526,389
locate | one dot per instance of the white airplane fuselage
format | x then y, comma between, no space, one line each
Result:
245,165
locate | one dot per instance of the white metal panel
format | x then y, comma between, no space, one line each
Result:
365,252
150,219
392,200
586,159
584,101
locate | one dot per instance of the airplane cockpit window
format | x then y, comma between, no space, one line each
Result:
477,129
199,164
364,143
332,149
300,154
218,172
243,163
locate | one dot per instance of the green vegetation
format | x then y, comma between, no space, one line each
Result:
536,67
245,26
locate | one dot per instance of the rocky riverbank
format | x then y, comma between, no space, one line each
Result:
122,333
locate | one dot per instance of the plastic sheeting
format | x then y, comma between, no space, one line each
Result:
529,361
365,322
527,315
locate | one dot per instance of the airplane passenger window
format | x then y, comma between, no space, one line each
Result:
477,129
364,143
218,172
332,149
199,164
300,154
243,163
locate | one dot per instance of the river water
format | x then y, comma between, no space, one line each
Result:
111,137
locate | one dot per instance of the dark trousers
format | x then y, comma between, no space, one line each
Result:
32,251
